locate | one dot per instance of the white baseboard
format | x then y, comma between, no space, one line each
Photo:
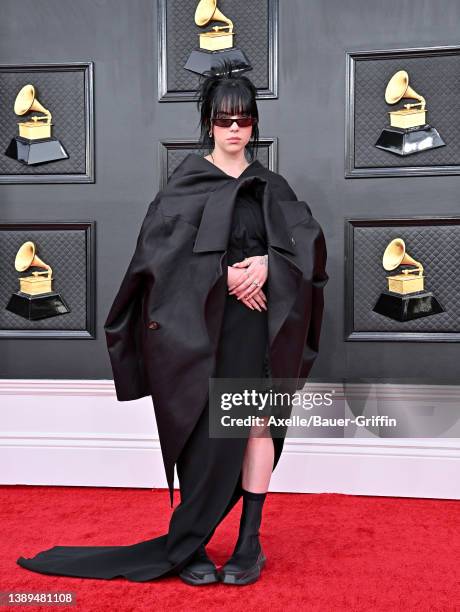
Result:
76,433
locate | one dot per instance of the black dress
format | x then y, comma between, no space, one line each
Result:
209,469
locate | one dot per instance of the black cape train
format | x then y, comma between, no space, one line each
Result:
163,327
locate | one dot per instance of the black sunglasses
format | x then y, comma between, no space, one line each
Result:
244,121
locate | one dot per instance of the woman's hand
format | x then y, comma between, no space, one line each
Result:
258,301
241,281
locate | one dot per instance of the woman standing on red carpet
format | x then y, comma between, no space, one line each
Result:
226,281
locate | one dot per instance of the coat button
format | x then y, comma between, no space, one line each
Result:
292,240
154,325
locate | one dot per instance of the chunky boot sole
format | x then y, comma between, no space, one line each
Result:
198,578
243,577
200,570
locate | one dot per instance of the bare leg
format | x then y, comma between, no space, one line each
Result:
258,460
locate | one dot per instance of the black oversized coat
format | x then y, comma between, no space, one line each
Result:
163,327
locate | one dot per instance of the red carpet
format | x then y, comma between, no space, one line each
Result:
324,552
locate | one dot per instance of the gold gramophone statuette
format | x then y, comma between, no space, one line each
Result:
219,37
36,298
37,283
406,298
408,116
410,280
34,145
38,126
216,44
408,132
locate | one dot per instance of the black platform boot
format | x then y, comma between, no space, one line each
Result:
248,559
200,570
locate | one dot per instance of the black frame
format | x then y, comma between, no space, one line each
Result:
89,176
186,96
90,228
164,146
351,58
349,333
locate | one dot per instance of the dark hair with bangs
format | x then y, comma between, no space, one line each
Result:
221,91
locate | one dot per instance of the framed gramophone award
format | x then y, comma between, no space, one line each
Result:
47,124
48,280
196,35
401,279
402,112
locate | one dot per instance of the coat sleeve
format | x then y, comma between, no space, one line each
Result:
124,320
285,191
319,280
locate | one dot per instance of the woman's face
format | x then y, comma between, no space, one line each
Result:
231,139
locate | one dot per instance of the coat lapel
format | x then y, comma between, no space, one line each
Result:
284,275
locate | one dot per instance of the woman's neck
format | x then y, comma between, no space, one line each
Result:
229,164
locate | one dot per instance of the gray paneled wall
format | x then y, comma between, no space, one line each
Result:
308,120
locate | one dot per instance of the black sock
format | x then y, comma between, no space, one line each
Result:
254,496
248,547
